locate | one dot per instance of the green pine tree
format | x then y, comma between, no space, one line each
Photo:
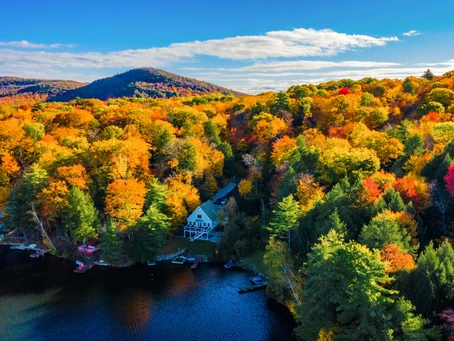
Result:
345,289
428,74
81,218
111,246
156,195
150,236
17,214
382,231
335,223
285,218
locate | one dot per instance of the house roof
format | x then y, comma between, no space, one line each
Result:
224,191
210,209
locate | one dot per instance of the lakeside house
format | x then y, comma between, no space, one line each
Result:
202,221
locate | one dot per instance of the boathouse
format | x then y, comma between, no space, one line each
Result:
202,221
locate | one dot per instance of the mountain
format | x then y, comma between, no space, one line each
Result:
143,82
12,86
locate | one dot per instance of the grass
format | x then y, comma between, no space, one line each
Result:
173,246
202,247
255,259
199,247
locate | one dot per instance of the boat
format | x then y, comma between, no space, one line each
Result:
37,254
151,263
102,263
18,247
257,280
78,262
81,269
196,262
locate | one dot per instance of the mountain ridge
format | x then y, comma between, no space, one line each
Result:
141,82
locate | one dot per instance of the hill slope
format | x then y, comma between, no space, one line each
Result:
12,86
143,82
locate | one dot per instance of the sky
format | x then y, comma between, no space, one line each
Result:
249,46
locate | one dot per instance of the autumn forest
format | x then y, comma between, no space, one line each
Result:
345,187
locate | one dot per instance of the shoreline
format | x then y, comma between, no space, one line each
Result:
205,260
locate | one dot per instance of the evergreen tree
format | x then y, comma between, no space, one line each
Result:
157,194
335,223
111,246
285,218
187,157
428,74
81,218
409,86
393,201
280,103
383,231
212,132
344,291
338,290
431,284
17,214
150,236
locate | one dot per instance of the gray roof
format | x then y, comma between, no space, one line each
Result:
224,191
210,210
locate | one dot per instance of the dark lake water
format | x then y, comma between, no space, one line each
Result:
44,300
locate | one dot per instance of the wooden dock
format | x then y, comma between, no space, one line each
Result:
179,260
252,288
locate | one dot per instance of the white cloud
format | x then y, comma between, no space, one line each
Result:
257,82
411,33
298,65
298,42
24,44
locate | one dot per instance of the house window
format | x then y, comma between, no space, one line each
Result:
204,224
208,224
199,216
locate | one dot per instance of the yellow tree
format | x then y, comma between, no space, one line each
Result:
182,200
53,200
266,127
308,192
124,201
74,175
281,149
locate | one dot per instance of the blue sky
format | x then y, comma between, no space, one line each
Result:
250,46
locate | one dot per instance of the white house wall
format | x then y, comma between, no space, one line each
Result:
205,219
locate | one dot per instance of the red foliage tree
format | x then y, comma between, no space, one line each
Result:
344,91
372,190
449,180
413,190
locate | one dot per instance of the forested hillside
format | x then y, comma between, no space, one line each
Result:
144,82
347,187
14,86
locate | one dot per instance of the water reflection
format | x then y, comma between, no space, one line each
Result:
44,300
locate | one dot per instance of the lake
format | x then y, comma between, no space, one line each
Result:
44,300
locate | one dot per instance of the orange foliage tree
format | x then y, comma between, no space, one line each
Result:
395,259
124,201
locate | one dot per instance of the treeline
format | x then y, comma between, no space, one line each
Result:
348,187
